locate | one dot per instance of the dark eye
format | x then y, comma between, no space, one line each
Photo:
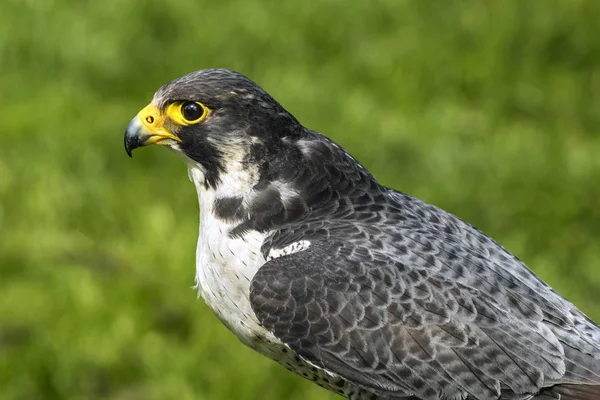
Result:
191,111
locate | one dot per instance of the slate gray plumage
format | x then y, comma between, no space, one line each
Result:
379,294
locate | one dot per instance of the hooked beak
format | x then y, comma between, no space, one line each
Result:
147,128
135,136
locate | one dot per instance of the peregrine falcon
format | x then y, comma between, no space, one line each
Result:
367,291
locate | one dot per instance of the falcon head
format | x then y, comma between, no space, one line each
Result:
218,119
260,165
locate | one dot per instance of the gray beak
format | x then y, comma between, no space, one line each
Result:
135,136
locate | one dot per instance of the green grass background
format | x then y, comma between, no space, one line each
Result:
490,110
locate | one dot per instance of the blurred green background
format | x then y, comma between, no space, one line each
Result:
490,110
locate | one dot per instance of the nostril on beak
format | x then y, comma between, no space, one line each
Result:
150,119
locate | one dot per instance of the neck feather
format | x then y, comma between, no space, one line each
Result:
318,180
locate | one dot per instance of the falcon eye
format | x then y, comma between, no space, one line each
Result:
187,112
191,111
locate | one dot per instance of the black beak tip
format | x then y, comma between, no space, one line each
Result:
128,150
132,137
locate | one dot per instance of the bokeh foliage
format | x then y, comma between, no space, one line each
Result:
490,110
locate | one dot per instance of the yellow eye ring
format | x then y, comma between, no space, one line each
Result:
187,112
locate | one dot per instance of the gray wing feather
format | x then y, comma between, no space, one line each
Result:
427,312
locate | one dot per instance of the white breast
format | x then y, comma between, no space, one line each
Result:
225,267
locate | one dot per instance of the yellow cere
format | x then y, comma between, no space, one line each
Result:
154,125
151,117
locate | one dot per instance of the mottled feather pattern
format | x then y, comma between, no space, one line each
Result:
405,299
367,291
